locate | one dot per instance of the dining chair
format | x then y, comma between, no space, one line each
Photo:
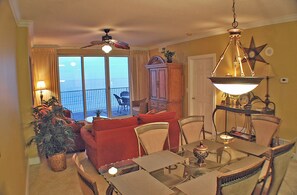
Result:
139,106
279,162
266,127
87,184
152,137
121,104
124,93
191,129
241,181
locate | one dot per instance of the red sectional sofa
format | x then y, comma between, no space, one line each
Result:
109,141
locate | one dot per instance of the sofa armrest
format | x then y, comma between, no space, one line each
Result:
88,138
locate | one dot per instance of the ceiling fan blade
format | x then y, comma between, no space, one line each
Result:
93,43
120,44
97,42
87,46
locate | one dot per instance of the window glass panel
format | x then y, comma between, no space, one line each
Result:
71,85
94,69
119,86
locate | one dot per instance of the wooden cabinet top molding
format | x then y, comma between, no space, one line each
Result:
159,62
156,60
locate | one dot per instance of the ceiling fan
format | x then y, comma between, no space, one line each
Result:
107,42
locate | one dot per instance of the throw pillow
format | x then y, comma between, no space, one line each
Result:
114,123
150,118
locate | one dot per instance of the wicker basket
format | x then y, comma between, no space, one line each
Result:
57,162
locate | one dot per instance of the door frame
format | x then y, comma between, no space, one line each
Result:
190,78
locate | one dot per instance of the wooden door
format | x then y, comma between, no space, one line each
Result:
201,100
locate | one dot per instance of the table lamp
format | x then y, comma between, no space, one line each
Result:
40,86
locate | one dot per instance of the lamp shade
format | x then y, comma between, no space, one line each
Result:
236,85
106,48
40,85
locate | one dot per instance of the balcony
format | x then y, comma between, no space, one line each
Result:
95,100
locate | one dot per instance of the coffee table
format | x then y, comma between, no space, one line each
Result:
89,119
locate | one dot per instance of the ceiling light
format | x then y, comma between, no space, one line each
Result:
106,48
233,84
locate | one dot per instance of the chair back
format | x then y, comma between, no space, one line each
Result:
152,137
124,93
281,156
241,181
191,129
87,184
139,106
119,99
266,127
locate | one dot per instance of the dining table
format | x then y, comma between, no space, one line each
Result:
168,172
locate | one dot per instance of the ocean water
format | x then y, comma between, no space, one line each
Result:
72,85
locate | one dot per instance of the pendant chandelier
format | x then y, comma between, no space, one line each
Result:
233,84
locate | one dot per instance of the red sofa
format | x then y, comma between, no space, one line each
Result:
109,141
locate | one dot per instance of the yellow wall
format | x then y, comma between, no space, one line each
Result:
13,162
282,38
24,83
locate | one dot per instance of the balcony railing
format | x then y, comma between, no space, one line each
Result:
95,100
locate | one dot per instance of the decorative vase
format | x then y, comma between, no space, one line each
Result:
57,162
200,152
169,59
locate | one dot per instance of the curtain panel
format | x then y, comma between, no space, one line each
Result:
44,67
140,77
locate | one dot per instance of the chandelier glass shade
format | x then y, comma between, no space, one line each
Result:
106,48
235,84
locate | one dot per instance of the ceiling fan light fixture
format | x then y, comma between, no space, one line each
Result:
235,85
106,48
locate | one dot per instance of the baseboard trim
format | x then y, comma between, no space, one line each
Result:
27,178
34,161
282,141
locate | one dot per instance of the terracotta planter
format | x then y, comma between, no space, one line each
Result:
57,162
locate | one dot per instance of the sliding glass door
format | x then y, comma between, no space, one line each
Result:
119,85
95,86
89,84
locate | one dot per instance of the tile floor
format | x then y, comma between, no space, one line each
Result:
43,181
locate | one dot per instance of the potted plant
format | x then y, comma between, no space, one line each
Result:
168,55
98,112
53,136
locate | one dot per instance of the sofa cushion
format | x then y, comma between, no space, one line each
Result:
116,145
114,123
150,118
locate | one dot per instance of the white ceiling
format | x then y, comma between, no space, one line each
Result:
143,23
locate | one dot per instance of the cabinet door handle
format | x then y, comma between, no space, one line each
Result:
193,98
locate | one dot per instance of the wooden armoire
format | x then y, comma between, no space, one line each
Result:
165,85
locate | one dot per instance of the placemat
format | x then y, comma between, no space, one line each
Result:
139,182
248,147
158,160
205,184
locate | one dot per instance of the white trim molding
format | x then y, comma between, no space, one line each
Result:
34,161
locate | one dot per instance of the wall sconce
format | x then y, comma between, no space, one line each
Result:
235,85
41,86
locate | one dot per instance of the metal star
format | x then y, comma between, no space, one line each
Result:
253,54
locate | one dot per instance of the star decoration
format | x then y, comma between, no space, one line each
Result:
253,54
